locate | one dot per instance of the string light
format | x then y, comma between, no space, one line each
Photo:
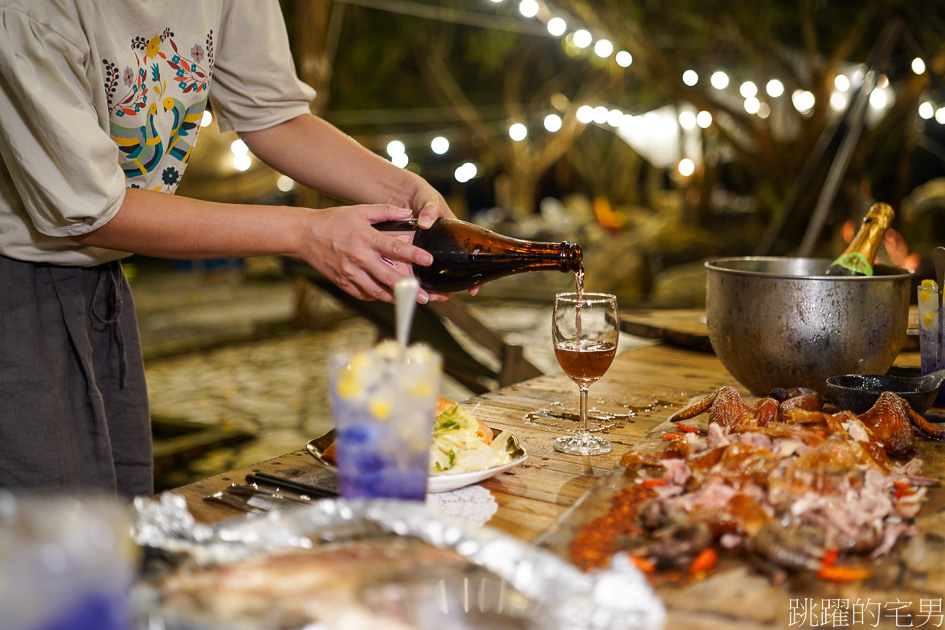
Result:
838,101
238,147
528,8
285,183
395,148
557,26
719,80
582,38
242,162
603,48
401,160
465,172
774,88
518,132
439,145
748,89
687,120
206,118
803,101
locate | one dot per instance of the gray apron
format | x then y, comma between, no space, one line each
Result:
73,402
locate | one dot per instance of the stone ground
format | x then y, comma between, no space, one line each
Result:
220,351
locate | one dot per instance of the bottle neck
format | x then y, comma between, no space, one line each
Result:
870,235
571,257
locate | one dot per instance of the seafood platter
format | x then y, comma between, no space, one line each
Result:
759,511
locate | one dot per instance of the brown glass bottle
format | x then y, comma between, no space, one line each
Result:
466,255
857,259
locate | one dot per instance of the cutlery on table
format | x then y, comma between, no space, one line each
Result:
234,502
253,490
284,483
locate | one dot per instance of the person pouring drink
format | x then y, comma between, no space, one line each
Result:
100,105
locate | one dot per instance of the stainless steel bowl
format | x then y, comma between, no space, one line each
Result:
776,322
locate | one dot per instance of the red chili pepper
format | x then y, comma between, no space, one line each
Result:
830,558
704,561
671,436
645,565
902,489
687,429
652,483
838,573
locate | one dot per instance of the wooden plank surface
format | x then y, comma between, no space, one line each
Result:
649,384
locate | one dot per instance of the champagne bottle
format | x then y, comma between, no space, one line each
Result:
857,259
466,255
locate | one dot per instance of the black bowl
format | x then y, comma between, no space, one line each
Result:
858,392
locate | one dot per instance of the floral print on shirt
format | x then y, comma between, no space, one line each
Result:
155,106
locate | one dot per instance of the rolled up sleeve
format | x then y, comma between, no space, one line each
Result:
255,85
54,144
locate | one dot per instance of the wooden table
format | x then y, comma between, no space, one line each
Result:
651,382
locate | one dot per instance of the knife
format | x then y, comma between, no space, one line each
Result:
234,502
247,490
297,487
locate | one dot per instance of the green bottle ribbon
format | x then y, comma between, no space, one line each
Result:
856,262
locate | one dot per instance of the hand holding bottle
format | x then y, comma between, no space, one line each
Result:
343,246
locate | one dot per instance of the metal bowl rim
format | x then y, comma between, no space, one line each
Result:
891,272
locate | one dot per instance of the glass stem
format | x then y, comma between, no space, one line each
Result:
583,429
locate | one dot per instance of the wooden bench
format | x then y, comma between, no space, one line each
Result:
431,326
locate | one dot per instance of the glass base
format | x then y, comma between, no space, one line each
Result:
582,444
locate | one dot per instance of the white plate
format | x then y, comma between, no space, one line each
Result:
446,482
442,482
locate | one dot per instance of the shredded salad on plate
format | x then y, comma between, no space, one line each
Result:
463,443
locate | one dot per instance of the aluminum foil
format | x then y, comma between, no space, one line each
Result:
616,598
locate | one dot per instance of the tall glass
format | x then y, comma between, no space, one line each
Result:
585,331
931,333
383,401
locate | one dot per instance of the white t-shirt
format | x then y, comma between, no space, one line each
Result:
100,95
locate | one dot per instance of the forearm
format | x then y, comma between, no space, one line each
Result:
315,153
167,226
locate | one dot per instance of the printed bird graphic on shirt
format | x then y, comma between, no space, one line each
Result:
142,146
185,121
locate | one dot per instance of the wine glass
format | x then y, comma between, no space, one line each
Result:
584,330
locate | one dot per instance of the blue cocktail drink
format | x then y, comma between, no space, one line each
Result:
383,402
930,333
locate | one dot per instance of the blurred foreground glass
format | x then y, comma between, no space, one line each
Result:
65,563
585,332
931,335
383,401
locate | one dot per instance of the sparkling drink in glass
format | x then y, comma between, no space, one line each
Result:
585,332
383,401
931,329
